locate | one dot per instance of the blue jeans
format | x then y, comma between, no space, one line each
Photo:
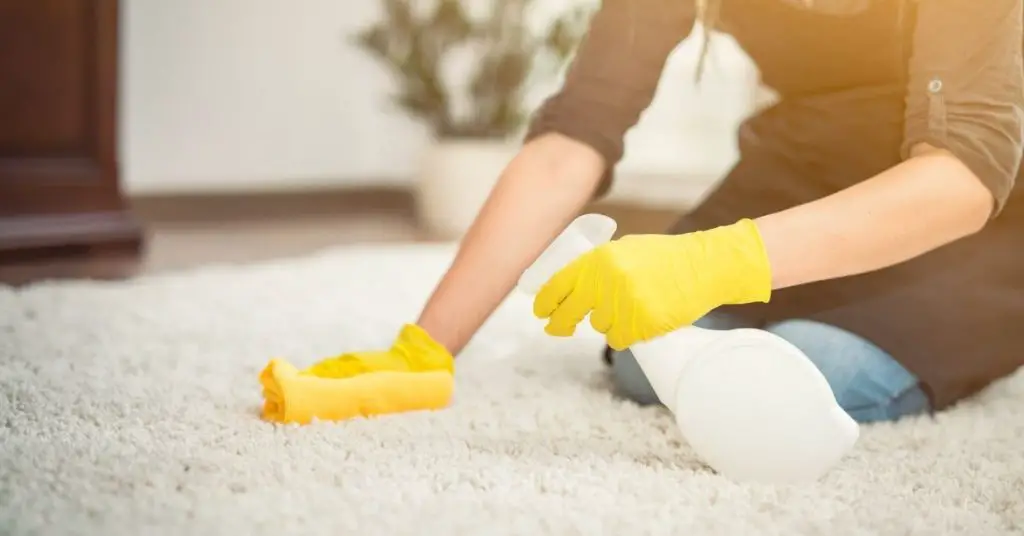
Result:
868,383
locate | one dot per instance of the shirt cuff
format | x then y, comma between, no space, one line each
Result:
995,165
552,119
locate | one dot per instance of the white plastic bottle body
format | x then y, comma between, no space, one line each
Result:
664,359
755,408
750,404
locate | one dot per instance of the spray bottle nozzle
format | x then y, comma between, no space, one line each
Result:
583,234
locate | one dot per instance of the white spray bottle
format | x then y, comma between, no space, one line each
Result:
750,404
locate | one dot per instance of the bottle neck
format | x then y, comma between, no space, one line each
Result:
664,359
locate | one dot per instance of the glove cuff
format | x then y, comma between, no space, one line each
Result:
741,262
421,351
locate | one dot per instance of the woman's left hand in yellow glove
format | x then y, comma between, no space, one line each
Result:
643,286
415,373
412,351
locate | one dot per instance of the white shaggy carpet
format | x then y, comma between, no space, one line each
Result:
131,409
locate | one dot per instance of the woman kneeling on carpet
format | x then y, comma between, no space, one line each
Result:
873,219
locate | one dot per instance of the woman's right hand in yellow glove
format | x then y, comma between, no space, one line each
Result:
412,351
644,286
414,374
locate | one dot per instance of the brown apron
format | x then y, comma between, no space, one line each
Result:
953,317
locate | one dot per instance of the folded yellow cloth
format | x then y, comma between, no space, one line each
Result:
415,374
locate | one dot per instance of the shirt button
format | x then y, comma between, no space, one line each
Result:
935,85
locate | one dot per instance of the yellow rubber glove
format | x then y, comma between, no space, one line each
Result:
643,286
412,351
415,374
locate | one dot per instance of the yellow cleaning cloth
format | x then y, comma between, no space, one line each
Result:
415,374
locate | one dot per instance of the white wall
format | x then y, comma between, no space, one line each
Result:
261,94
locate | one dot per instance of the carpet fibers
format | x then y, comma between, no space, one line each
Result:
131,409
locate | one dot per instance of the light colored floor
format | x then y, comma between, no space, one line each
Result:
179,238
174,246
185,233
132,409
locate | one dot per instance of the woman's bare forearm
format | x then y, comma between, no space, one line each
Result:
544,187
926,202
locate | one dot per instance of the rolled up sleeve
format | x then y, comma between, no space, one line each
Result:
614,75
966,87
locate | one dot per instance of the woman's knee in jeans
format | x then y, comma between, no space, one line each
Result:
838,354
867,382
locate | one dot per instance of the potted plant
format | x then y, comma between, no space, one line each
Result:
473,117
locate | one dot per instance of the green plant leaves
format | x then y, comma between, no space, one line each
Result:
450,23
375,40
414,49
567,32
399,15
418,103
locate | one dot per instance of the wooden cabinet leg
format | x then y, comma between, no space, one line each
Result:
60,192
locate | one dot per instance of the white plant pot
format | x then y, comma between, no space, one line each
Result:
455,180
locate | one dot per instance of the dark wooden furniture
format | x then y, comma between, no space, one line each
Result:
60,197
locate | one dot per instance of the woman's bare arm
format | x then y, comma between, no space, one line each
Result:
963,142
576,137
544,187
926,202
